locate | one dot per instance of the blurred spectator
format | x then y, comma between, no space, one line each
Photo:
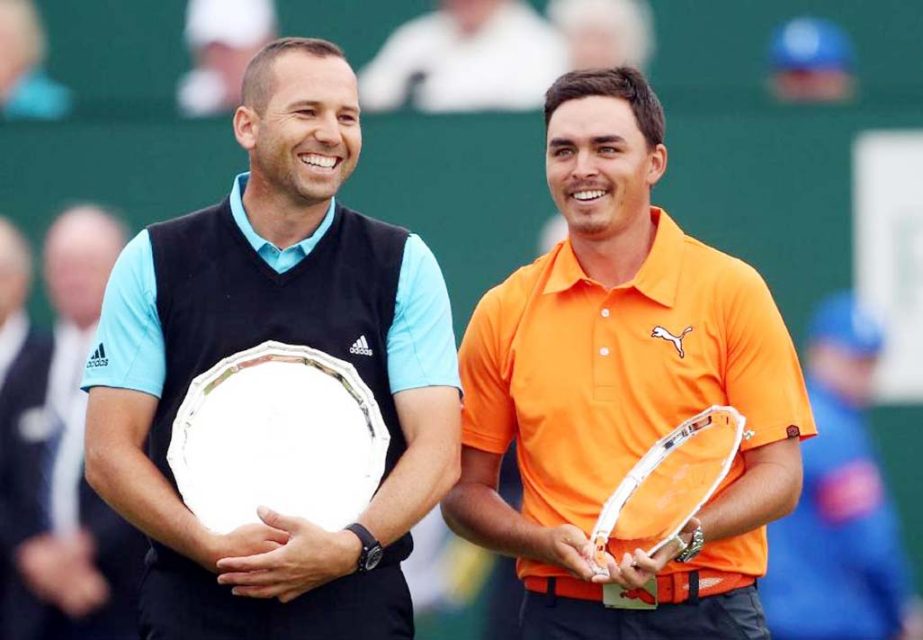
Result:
605,33
552,232
222,35
15,278
812,61
837,569
469,55
25,90
79,565
18,341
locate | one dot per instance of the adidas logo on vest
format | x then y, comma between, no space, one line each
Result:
361,347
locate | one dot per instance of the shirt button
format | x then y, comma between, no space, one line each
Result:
604,313
604,351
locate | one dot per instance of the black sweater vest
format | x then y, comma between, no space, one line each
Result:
216,296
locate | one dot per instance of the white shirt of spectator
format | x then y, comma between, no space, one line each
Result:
201,93
13,334
507,65
69,405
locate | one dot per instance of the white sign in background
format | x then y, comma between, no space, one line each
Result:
888,251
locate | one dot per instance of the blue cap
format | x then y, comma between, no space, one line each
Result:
811,44
842,320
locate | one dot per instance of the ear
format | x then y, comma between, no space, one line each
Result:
658,164
246,127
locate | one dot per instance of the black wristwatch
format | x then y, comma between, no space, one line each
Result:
371,548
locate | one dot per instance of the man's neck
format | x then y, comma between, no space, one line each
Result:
13,330
278,219
479,23
615,260
9,80
77,326
13,323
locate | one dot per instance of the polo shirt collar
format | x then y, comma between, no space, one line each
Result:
565,270
658,277
256,240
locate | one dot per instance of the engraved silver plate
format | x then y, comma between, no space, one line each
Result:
284,426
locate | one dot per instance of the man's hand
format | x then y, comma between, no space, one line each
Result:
565,547
42,561
246,540
636,569
60,570
47,562
83,593
312,557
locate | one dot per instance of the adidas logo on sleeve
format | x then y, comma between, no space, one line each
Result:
361,347
98,359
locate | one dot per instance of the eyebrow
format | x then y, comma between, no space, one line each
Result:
317,103
567,142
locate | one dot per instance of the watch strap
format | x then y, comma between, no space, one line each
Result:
371,552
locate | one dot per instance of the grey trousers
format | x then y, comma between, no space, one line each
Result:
735,615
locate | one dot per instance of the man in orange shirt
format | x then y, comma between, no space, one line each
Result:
590,354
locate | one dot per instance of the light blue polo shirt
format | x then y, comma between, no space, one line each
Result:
421,340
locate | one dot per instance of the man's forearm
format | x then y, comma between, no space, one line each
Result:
474,510
767,491
422,476
477,513
130,483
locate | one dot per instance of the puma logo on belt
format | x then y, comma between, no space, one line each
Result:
660,332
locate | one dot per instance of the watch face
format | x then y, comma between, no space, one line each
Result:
373,557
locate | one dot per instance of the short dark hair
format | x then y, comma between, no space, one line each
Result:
257,85
626,83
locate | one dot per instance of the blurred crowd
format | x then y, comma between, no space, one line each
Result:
26,91
464,55
69,566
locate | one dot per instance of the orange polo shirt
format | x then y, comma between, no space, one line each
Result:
572,372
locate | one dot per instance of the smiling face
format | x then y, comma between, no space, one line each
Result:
599,167
307,140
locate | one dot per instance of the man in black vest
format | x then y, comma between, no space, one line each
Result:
279,259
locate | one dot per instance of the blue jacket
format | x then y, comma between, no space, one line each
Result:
837,568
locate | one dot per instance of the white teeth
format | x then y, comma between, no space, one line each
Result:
589,195
318,160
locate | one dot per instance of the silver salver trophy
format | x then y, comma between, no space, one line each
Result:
284,426
662,491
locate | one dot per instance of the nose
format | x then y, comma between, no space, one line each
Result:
328,131
585,165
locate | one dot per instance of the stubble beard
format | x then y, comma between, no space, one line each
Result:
286,180
590,224
587,226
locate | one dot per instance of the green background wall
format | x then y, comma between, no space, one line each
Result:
769,183
125,57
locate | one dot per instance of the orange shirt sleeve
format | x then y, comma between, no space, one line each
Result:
488,412
763,376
